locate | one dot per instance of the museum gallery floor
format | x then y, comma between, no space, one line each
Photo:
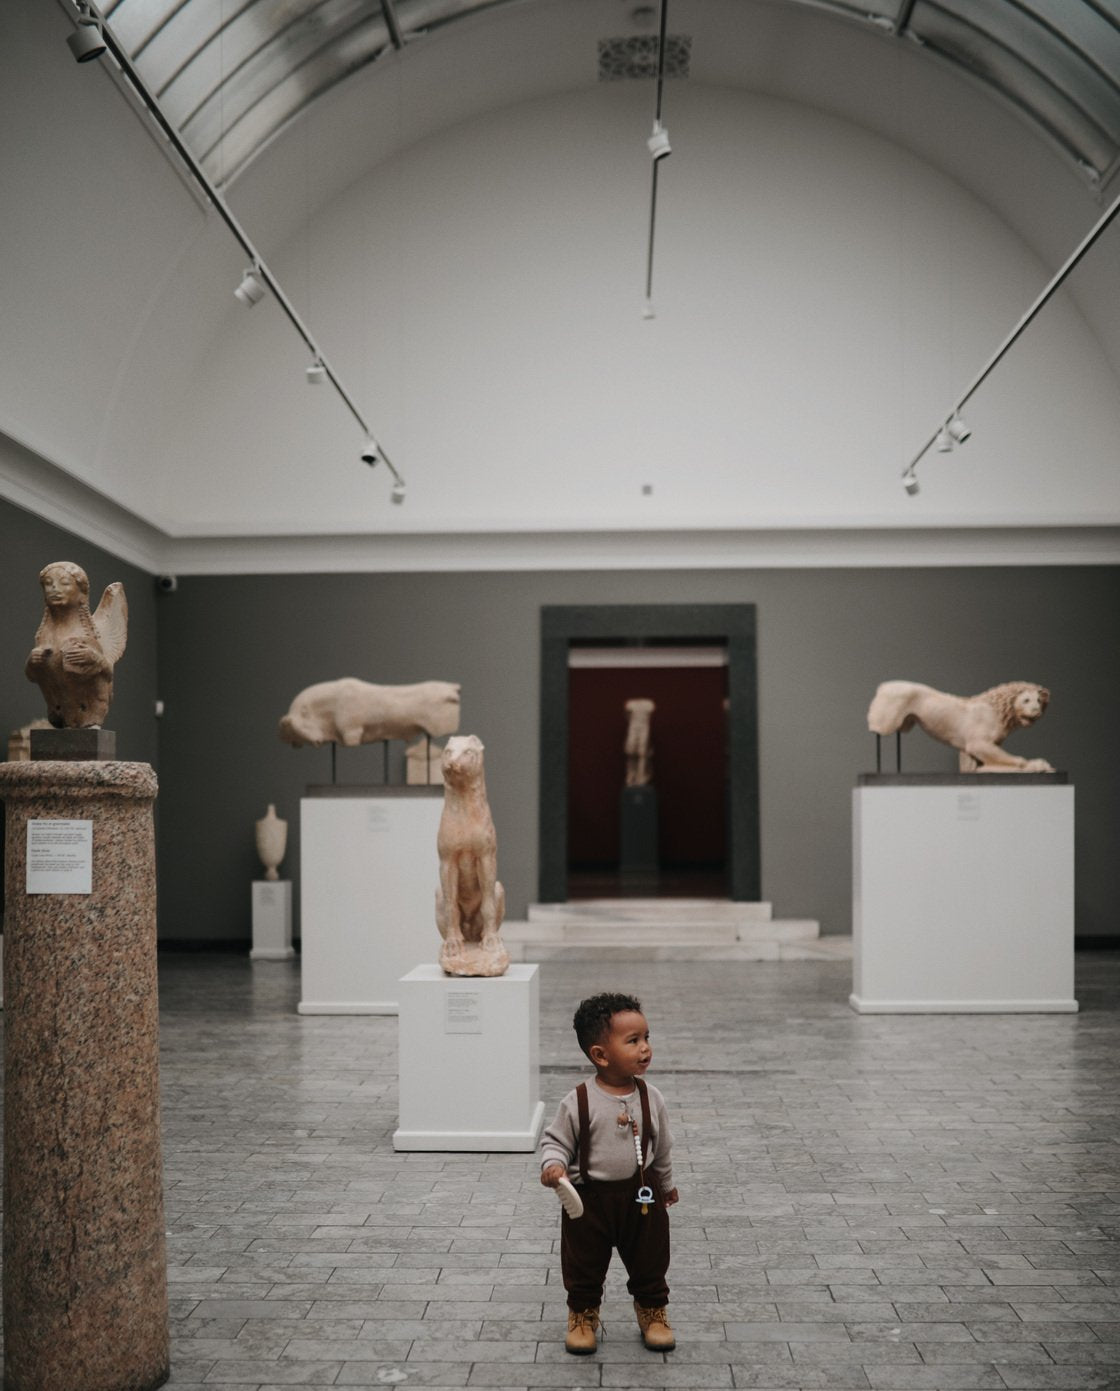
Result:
866,1201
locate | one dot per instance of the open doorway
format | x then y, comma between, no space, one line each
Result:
684,778
730,628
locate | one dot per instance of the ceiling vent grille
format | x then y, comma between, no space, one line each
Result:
636,56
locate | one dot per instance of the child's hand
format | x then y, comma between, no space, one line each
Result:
551,1174
672,1197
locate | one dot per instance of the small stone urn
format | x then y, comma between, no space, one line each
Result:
272,840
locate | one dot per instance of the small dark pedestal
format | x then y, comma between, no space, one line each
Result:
638,838
73,745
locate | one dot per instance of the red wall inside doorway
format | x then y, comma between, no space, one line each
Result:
688,730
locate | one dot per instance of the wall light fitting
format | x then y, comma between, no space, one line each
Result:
658,142
911,484
944,441
316,374
958,430
86,41
251,289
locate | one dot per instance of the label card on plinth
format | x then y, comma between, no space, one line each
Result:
463,1012
60,857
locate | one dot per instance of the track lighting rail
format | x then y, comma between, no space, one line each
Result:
87,15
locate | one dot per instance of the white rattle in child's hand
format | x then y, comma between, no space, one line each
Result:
570,1200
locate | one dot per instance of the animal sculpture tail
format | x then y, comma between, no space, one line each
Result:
891,707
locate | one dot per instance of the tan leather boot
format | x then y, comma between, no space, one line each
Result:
654,1323
582,1326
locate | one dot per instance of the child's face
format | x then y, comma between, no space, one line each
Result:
625,1051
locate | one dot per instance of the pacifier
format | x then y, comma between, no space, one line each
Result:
645,1197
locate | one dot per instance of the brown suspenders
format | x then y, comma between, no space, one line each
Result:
584,1144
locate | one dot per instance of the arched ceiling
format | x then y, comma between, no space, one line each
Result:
232,73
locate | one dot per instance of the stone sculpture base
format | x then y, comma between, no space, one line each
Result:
272,920
469,1061
962,894
84,1277
638,835
73,745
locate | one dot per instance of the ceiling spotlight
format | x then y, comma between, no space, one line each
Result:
87,40
658,142
958,429
648,311
910,483
370,453
944,441
398,491
251,289
316,374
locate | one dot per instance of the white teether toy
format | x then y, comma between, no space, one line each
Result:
570,1200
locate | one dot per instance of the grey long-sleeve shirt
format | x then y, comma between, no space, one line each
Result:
612,1154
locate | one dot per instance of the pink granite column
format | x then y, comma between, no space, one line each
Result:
85,1277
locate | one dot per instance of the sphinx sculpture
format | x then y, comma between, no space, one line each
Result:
470,902
974,725
75,651
638,750
352,712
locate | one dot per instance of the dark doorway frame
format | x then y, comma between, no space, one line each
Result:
644,625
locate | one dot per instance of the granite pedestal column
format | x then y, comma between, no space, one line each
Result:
85,1278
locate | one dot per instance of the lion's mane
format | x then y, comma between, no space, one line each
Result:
1002,700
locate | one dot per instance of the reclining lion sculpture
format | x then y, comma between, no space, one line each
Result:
352,712
975,725
470,902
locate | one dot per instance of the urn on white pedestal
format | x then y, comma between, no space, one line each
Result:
272,841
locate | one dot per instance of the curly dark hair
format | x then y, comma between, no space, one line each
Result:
592,1019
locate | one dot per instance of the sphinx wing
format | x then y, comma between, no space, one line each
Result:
111,621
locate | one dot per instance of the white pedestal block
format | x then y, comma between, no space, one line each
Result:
469,1061
272,920
369,872
963,898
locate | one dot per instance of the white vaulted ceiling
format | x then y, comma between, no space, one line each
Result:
454,196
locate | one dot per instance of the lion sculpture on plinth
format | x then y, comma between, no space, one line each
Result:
975,725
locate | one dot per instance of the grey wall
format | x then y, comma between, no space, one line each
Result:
234,650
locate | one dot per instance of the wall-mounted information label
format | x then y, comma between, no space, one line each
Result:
463,1012
60,857
968,806
377,820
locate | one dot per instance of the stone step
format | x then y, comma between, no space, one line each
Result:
797,941
650,910
682,933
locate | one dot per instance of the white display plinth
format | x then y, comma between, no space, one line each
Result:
369,872
469,1061
962,895
272,920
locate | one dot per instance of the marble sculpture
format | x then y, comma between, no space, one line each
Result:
975,725
351,712
638,750
470,902
75,651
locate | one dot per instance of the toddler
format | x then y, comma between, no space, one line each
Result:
615,1130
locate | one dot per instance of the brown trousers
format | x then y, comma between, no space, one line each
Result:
613,1220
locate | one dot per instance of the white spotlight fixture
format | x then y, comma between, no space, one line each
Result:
87,40
648,311
370,454
958,429
658,142
251,289
910,483
944,441
316,374
397,494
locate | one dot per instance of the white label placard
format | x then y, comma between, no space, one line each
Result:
968,806
60,857
463,1012
377,820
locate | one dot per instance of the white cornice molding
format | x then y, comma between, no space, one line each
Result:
57,497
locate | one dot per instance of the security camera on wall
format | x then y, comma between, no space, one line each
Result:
167,584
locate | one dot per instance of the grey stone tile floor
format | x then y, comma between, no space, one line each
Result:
875,1202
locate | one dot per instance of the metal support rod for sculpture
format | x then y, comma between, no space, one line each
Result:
84,1278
